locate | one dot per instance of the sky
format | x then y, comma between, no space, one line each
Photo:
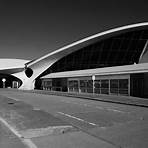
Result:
30,29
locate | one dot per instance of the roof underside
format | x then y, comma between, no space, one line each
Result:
11,71
128,69
122,49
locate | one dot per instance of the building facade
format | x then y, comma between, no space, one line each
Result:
114,63
111,62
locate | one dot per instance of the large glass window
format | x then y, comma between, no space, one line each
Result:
73,85
90,86
123,86
70,85
76,86
47,84
104,86
114,86
97,86
86,86
83,85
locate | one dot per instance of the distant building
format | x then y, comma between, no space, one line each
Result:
111,62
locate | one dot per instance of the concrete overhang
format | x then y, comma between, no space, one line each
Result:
11,71
61,52
128,69
6,64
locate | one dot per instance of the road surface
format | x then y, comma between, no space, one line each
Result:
8,139
98,124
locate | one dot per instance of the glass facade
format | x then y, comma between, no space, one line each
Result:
105,86
97,86
83,85
114,86
118,50
119,86
123,86
46,84
73,86
115,50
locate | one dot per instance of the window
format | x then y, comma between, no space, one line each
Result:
104,86
114,86
123,86
97,86
90,86
73,85
83,85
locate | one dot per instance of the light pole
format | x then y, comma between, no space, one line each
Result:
93,79
3,80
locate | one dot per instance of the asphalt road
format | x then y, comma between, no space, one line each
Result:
115,124
8,139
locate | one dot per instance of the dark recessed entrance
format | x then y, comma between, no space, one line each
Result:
11,81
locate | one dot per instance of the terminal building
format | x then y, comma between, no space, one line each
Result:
114,62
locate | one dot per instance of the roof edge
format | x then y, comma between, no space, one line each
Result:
126,27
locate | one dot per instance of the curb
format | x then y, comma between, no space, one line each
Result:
129,101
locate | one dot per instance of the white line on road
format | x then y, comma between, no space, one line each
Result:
28,142
115,110
77,118
99,107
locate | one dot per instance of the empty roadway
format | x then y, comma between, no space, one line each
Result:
117,124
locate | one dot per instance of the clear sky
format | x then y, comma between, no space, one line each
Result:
32,28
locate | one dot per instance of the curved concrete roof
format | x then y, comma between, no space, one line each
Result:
87,41
12,65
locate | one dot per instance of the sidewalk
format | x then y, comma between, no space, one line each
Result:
128,100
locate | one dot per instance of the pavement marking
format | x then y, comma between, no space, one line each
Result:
77,118
115,110
27,142
99,107
10,127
